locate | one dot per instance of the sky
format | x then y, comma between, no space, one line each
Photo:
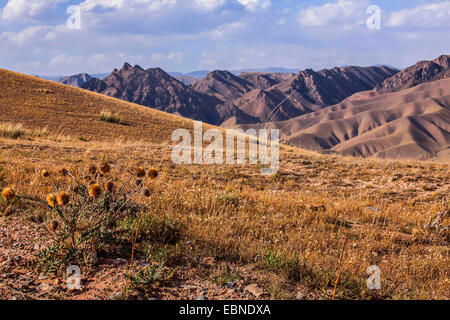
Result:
44,37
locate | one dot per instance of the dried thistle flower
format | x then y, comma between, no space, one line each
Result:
153,173
52,200
45,173
63,198
140,172
63,172
8,211
105,168
109,186
8,194
146,192
92,169
138,182
95,190
54,225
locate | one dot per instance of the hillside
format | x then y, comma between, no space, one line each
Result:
39,104
412,123
279,236
421,72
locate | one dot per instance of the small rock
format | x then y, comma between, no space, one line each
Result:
255,290
231,285
202,296
116,296
36,247
44,287
300,296
373,209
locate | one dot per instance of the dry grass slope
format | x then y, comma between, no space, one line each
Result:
284,232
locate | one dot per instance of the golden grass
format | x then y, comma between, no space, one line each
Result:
16,130
290,227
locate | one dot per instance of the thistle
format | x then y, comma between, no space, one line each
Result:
45,173
8,194
153,173
109,186
92,169
95,191
52,200
146,192
140,172
105,168
54,225
138,182
63,171
8,211
63,198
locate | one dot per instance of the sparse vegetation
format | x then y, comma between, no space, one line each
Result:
285,232
83,220
15,131
109,116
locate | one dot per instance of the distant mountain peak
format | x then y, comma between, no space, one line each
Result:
422,71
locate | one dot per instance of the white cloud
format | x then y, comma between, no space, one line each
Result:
27,9
341,12
254,5
225,30
176,57
428,15
153,5
25,37
209,4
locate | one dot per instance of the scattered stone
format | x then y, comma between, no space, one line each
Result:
255,290
202,296
231,285
116,296
373,209
300,296
44,287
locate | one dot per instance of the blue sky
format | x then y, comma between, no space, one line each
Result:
187,35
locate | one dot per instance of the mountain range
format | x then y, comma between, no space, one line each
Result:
348,109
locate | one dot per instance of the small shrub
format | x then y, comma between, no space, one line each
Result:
11,131
155,229
147,278
108,116
278,262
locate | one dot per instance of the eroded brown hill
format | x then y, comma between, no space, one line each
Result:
422,71
412,123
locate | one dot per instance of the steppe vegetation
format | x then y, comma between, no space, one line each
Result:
216,229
